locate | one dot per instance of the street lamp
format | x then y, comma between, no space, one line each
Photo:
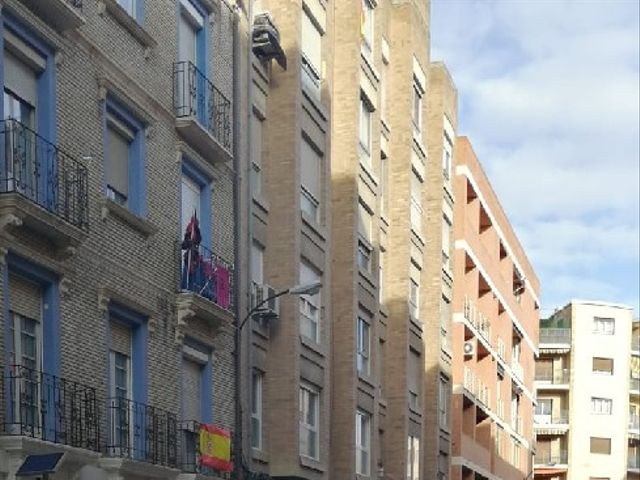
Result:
306,289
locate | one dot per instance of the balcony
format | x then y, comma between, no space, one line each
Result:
189,452
141,432
633,463
634,386
634,424
206,287
60,14
551,459
203,113
41,188
555,337
46,408
553,380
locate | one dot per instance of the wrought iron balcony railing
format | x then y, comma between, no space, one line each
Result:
189,450
207,274
41,172
141,432
50,408
195,96
555,335
545,458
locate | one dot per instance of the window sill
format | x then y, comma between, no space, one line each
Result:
259,455
128,23
311,463
109,207
314,225
312,345
416,322
367,170
386,128
261,202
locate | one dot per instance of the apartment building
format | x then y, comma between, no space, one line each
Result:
116,234
633,453
494,333
349,189
583,389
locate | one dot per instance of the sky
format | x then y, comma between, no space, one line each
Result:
548,94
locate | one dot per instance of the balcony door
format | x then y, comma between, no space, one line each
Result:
20,100
25,332
543,411
122,413
191,83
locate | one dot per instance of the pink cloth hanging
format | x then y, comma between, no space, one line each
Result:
223,295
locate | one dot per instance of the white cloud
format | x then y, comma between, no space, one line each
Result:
550,100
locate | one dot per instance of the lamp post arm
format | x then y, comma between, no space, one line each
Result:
259,305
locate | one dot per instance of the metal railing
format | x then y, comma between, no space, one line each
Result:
554,378
50,408
39,171
195,96
555,335
207,274
545,458
559,418
77,4
141,432
189,451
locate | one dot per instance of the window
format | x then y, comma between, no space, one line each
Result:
190,27
384,79
129,6
383,185
414,299
414,379
515,349
446,242
124,159
413,458
544,370
544,407
445,320
381,265
515,410
601,445
363,347
121,384
499,437
257,268
382,358
365,129
416,108
515,460
416,202
363,442
414,292
256,409
366,27
603,365
309,421
311,51
309,304
310,181
365,231
443,402
447,153
601,405
443,466
603,326
256,152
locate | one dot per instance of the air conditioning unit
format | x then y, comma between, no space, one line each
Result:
469,348
270,309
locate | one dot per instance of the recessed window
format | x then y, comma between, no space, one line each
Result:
364,134
363,347
413,458
603,326
416,211
363,442
310,180
603,365
129,6
416,108
447,154
311,51
309,304
600,445
443,402
365,233
414,379
366,27
256,409
256,151
309,421
601,405
446,242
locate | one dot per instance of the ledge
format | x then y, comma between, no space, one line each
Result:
58,13
17,211
129,23
119,466
312,346
191,305
109,207
319,230
312,464
203,142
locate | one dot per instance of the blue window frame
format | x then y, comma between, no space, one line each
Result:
137,322
206,378
198,178
124,157
43,111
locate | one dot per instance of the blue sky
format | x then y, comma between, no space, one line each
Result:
549,97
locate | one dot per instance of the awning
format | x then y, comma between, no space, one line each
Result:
548,472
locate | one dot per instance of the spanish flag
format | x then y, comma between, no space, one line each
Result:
215,448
